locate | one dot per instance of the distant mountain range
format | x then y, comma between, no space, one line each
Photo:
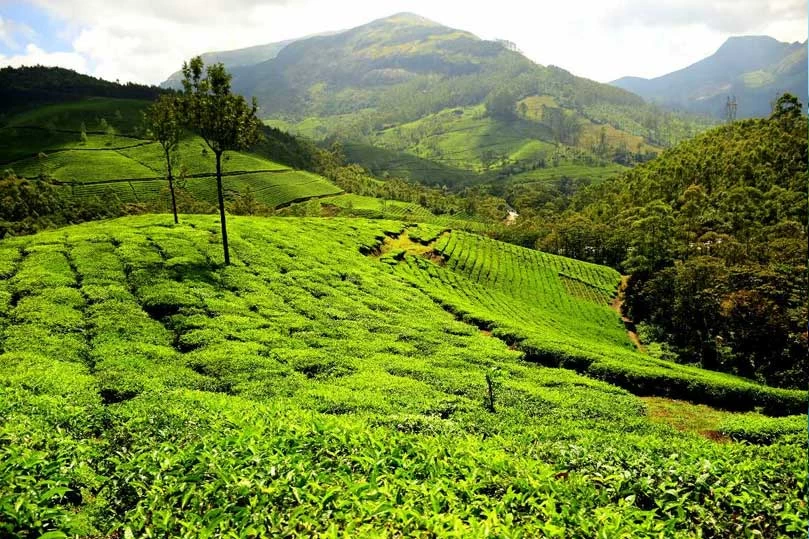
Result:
351,70
754,69
232,59
419,92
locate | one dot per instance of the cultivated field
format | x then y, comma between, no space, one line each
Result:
335,380
114,159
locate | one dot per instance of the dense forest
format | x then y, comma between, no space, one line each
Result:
26,86
714,235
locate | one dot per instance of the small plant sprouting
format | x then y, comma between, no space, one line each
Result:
493,380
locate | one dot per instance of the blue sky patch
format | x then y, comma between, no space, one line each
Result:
50,34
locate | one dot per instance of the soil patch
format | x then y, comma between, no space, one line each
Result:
616,305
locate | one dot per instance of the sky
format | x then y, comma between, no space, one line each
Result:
146,40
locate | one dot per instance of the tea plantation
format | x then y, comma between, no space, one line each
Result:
96,147
349,377
353,205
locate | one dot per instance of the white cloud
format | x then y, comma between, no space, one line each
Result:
33,55
730,16
146,40
11,32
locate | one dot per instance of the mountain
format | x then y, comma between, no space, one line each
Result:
755,69
388,65
416,90
233,59
237,58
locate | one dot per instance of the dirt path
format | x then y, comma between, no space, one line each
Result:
617,303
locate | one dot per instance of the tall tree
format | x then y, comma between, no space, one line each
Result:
224,120
164,122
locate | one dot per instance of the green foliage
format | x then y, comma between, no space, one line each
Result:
25,87
165,124
32,205
714,233
307,390
571,323
763,430
501,104
223,119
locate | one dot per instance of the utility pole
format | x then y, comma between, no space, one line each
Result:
730,110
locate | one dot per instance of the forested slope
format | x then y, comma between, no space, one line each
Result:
714,233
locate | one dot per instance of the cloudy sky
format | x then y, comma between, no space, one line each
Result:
146,40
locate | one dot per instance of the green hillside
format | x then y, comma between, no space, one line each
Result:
379,208
96,146
330,383
425,92
714,233
25,87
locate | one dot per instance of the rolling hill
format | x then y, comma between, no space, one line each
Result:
94,144
754,69
25,87
422,91
362,378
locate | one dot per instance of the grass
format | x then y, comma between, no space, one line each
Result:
685,416
311,390
722,425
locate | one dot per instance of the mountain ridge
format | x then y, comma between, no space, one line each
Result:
391,84
754,69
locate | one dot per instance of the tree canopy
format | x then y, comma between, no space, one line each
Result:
714,233
223,119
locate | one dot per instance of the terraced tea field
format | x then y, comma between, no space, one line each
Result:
112,160
329,383
376,208
557,311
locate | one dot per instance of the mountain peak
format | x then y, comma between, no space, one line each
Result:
732,40
747,47
406,17
754,68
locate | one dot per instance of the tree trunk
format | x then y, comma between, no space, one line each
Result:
171,189
222,207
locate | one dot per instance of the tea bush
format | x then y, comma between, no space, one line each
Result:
311,390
